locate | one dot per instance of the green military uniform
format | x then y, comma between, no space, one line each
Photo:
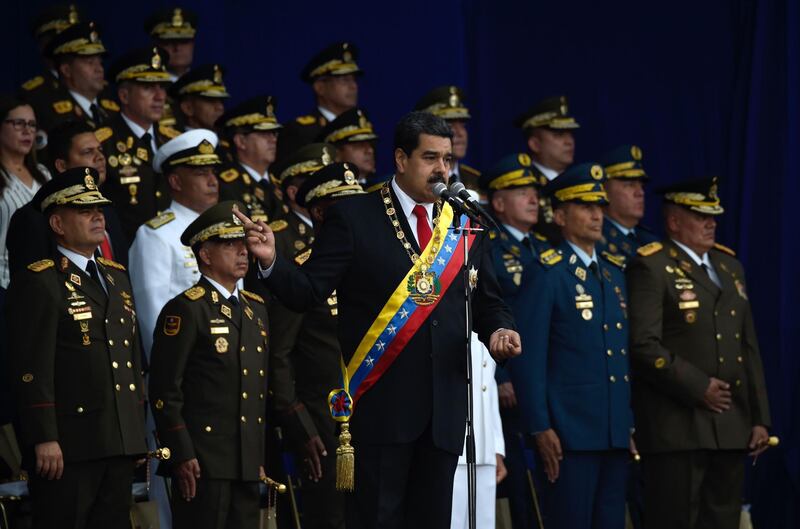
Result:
208,389
685,328
76,363
202,82
350,127
47,24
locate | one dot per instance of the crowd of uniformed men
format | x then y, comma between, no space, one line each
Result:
137,320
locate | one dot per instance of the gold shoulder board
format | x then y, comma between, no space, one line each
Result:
160,220
550,257
278,225
62,107
618,260
38,266
725,249
306,120
466,168
102,134
539,236
30,84
229,176
302,257
108,262
252,295
168,131
650,249
108,104
195,293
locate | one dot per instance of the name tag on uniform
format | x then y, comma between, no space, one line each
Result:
220,330
584,301
82,316
684,305
125,180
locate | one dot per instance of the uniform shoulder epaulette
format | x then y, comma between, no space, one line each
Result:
724,249
539,236
278,225
31,84
616,259
38,266
167,121
160,220
550,257
225,143
63,106
103,133
108,262
302,257
650,249
306,120
252,295
195,293
109,104
229,176
168,131
468,169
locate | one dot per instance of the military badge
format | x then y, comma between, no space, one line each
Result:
424,288
473,278
221,344
226,310
172,325
740,288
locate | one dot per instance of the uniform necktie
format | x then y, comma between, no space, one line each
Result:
95,111
707,270
526,242
423,228
236,307
91,269
595,269
147,139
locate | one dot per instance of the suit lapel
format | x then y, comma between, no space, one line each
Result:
692,269
728,287
221,305
82,281
411,237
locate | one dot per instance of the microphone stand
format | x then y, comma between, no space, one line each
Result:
470,438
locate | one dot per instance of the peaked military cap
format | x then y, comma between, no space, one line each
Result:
579,183
256,114
446,102
174,23
552,113
305,160
624,162
349,127
205,81
333,181
512,171
82,38
698,195
54,19
217,222
76,187
145,65
336,59
195,147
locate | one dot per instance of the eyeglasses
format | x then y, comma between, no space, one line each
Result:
20,123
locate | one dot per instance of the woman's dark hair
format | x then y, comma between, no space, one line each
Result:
60,138
9,102
410,126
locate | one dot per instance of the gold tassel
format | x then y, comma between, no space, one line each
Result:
345,461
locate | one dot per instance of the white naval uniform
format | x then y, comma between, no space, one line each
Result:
488,443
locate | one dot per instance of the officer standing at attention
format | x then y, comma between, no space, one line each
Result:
75,359
700,397
572,380
199,97
174,30
622,233
333,75
208,382
355,140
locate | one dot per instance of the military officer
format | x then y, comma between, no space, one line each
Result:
161,266
304,361
250,131
447,102
199,96
572,380
51,21
699,395
352,134
622,232
174,30
208,382
136,189
548,130
333,75
76,366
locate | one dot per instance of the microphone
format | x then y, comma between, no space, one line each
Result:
458,189
440,190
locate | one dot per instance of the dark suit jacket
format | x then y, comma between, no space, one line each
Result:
29,238
358,254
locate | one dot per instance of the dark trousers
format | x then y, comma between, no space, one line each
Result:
697,489
91,494
218,504
402,486
323,505
516,486
589,492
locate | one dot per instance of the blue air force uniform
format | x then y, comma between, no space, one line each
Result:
573,376
625,241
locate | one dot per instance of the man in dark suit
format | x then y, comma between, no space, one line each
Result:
208,382
700,398
409,429
75,358
72,144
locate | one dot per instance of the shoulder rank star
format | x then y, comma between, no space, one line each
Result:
473,278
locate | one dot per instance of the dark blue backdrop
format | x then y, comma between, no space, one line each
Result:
703,87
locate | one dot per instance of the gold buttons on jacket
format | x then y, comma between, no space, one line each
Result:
721,360
80,409
627,378
132,387
623,352
261,396
159,404
244,395
609,352
242,349
117,387
121,320
733,312
261,372
605,326
129,364
739,359
114,364
612,378
126,343
719,336
208,429
244,419
111,343
738,382
660,363
244,371
260,420
27,377
738,335
259,349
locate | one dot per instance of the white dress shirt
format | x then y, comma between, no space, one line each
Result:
81,261
327,114
700,261
222,290
548,173
625,231
585,258
255,175
407,206
84,103
139,131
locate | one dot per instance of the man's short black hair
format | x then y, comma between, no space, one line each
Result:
410,126
60,139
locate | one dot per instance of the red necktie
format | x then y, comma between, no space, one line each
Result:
423,228
105,248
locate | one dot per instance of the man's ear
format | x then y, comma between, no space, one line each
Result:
187,108
318,88
60,165
204,256
123,94
534,144
238,141
560,215
291,192
400,160
498,204
56,224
